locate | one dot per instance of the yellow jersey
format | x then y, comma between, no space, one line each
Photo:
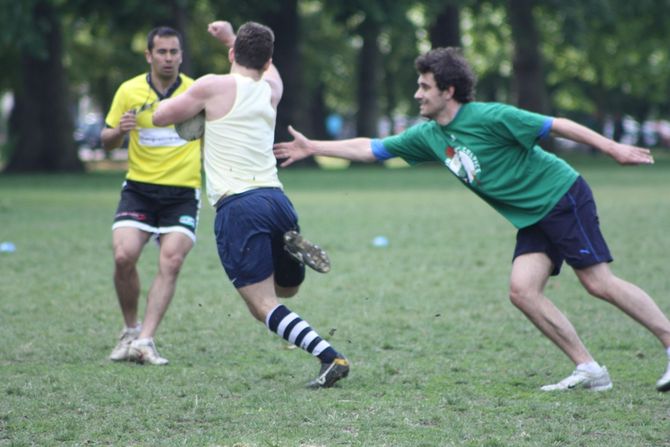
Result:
156,155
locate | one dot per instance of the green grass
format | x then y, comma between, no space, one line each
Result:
440,357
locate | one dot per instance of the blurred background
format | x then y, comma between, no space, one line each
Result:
347,65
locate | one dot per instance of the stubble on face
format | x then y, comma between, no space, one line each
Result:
166,57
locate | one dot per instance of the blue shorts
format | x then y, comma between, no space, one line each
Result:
570,232
249,229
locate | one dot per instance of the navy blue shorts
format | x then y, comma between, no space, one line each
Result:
249,229
158,209
570,232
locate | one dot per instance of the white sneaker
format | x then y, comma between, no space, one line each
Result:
120,351
663,383
586,380
144,351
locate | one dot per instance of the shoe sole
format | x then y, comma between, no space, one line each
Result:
306,252
138,357
663,388
600,388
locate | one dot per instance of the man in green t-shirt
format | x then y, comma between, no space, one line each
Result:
492,148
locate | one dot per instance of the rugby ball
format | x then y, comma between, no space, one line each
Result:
193,128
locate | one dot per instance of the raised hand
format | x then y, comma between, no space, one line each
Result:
223,31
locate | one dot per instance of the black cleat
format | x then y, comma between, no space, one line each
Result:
306,252
331,373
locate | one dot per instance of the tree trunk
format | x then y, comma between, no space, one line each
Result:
44,140
180,20
446,29
368,80
316,121
285,24
528,85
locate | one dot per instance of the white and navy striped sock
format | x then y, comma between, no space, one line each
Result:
295,330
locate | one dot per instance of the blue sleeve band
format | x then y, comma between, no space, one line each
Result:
546,128
379,151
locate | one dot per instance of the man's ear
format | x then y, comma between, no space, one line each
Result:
231,55
147,55
267,65
449,92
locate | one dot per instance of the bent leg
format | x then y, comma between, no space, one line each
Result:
260,298
264,306
530,273
128,243
600,282
173,250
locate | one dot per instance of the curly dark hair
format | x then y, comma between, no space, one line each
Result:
254,45
449,68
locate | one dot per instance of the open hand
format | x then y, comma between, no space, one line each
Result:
626,154
292,151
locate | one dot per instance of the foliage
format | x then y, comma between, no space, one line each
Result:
601,56
440,357
613,60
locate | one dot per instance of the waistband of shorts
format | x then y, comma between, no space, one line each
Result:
227,198
159,186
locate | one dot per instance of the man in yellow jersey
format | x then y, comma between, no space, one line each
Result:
256,226
160,196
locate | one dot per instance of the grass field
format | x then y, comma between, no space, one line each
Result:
440,357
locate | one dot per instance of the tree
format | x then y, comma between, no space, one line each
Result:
41,125
528,85
445,29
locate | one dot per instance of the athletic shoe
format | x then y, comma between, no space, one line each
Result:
581,378
331,373
306,252
120,351
663,383
144,351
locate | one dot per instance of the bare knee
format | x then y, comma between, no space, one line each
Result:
124,261
170,264
599,281
520,296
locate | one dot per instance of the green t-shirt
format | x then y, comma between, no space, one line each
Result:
492,148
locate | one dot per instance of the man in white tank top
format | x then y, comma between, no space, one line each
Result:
256,226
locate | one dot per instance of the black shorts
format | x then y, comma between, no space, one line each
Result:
249,229
158,209
570,232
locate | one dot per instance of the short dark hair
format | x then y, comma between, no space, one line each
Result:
163,31
449,68
254,45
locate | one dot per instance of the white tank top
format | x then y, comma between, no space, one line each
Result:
238,146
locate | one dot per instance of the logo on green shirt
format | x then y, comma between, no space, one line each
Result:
463,163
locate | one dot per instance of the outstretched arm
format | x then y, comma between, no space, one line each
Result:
355,149
624,154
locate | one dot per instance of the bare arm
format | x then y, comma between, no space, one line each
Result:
223,31
624,154
355,149
184,106
272,77
112,137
